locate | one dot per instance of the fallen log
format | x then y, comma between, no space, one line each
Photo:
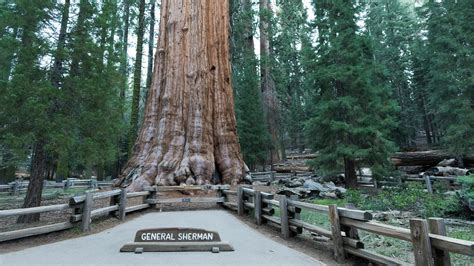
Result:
432,158
302,156
291,168
448,171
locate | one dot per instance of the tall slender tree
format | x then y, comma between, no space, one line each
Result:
251,124
137,74
351,122
267,84
151,45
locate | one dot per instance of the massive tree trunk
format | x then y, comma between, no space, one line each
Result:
189,130
270,102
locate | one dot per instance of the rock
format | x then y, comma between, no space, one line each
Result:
260,183
311,185
290,192
385,216
341,190
447,162
294,183
339,193
339,179
331,186
329,195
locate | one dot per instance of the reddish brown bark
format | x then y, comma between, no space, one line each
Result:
189,127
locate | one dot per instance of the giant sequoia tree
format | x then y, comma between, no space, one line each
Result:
189,129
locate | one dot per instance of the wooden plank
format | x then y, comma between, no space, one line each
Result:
186,200
271,201
33,210
136,208
343,212
421,242
114,201
271,219
275,221
379,228
176,246
240,201
249,205
230,192
39,230
248,191
194,187
86,212
268,211
103,211
138,194
452,244
336,233
311,228
441,257
428,183
284,219
231,205
123,204
372,256
258,207
100,195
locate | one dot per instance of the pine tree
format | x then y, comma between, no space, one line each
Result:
26,98
251,125
449,76
271,105
291,32
352,115
390,27
137,75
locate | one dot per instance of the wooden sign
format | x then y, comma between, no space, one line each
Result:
176,239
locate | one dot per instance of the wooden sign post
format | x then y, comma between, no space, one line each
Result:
175,240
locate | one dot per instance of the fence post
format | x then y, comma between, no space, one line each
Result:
152,197
285,226
113,201
336,233
122,204
258,207
428,183
421,242
86,212
441,257
240,201
350,231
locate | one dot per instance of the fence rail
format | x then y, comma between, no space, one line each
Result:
17,187
430,243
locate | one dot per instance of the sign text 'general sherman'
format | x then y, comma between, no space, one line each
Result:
176,235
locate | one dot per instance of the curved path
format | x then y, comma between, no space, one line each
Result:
251,247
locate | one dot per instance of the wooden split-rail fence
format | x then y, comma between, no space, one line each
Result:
18,187
431,246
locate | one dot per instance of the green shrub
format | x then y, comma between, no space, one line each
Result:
407,198
467,183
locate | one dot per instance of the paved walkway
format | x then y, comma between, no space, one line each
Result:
251,247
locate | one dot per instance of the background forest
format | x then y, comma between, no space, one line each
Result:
353,80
